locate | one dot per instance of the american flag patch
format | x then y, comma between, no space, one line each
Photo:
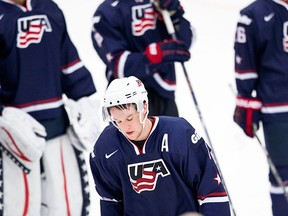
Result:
143,176
143,19
31,29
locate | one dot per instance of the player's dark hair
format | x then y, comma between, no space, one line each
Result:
122,106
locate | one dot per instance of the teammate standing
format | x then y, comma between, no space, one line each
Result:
261,66
131,39
38,64
148,165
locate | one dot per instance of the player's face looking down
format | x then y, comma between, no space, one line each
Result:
131,123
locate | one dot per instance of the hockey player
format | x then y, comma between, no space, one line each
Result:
131,39
38,65
261,66
149,165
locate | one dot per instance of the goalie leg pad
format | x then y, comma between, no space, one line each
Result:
62,188
22,135
21,191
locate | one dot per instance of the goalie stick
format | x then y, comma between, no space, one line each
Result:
171,31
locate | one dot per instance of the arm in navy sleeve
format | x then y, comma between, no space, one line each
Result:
211,195
76,79
246,54
112,46
111,201
115,49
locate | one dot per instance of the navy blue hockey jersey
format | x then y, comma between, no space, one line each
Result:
121,32
261,56
173,173
38,61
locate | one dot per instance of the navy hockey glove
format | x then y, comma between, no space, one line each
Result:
167,51
247,114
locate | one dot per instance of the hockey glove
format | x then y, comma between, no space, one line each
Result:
86,122
22,136
247,114
167,51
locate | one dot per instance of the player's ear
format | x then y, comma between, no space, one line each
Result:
145,106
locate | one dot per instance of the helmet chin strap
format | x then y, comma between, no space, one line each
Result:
140,113
144,119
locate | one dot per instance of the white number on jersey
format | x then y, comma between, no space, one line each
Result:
240,35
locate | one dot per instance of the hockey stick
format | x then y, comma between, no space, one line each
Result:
273,169
171,31
271,165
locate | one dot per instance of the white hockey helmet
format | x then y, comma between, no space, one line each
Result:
122,91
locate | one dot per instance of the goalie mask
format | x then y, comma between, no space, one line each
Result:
128,90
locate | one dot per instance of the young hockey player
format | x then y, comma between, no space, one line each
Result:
131,38
38,64
261,66
149,165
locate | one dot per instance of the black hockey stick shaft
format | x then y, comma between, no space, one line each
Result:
171,31
271,165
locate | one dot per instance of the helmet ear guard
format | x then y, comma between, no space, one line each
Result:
128,90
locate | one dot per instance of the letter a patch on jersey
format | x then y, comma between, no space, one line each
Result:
143,176
31,29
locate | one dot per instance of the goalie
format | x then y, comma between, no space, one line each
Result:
42,163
